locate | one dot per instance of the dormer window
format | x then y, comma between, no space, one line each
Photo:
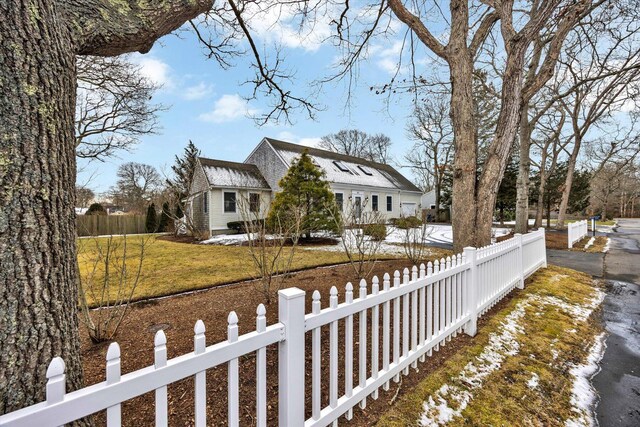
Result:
365,170
341,166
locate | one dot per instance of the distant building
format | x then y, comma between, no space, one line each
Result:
218,185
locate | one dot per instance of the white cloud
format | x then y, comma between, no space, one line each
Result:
293,138
156,70
228,108
199,91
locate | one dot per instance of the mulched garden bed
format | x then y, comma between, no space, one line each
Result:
177,315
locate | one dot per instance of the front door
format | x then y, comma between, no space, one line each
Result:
357,202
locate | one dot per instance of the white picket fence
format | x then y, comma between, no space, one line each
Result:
421,310
576,231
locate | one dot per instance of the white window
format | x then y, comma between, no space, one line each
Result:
254,202
389,203
341,166
340,201
365,170
374,202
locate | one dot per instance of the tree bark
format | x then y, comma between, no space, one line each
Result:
568,182
38,276
524,169
39,40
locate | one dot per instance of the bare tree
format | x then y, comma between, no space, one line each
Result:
362,249
84,196
432,152
414,242
113,106
357,143
114,270
137,184
271,248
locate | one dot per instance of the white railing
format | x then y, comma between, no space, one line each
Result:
412,316
576,231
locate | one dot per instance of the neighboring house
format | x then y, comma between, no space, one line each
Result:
428,200
219,187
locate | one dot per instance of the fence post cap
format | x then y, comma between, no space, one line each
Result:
160,338
291,293
113,352
56,367
469,249
199,327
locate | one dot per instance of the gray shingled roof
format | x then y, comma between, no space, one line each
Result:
382,175
220,173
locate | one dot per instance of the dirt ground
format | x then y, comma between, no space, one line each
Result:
177,315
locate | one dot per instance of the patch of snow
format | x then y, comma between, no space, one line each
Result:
533,381
606,246
452,399
591,241
583,395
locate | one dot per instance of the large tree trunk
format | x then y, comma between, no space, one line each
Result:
524,168
541,194
38,270
463,215
568,182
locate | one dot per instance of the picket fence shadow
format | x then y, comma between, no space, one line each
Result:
420,310
576,231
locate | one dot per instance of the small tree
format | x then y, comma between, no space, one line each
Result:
271,246
152,219
114,270
360,246
165,218
413,241
304,191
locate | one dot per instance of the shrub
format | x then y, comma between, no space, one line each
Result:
407,222
96,209
152,219
242,226
377,232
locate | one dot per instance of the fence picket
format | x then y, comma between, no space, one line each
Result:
348,350
199,344
436,303
423,312
261,370
386,318
396,324
315,360
233,404
362,346
429,306
414,315
160,356
375,339
333,353
405,320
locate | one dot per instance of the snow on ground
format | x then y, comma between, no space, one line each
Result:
452,399
583,395
533,381
591,241
437,233
606,247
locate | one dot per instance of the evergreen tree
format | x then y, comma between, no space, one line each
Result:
506,200
96,209
165,218
183,170
305,190
580,190
152,219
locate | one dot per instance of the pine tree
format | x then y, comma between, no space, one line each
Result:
152,219
305,190
165,219
183,170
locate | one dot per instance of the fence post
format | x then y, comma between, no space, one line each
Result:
518,237
471,328
291,358
543,231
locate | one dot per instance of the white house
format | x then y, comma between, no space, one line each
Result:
219,188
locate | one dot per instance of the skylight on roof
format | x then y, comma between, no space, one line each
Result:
341,166
365,170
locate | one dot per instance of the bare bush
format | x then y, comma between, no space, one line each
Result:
272,246
115,270
413,242
362,249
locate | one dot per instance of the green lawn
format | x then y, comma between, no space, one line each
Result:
171,267
609,223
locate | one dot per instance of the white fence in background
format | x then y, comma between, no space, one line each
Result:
576,231
420,310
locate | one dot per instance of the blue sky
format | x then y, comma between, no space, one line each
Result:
207,105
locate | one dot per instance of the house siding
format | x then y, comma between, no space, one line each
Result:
270,165
219,219
399,198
